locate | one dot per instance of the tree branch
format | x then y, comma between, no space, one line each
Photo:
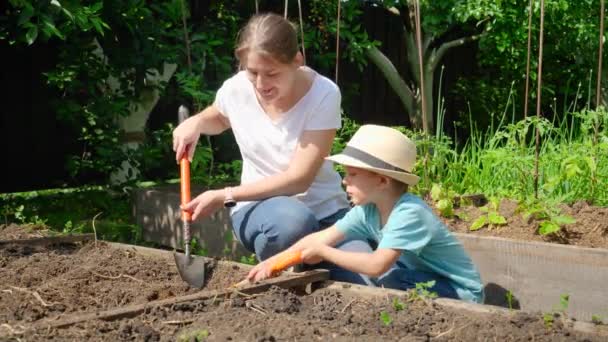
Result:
393,77
443,48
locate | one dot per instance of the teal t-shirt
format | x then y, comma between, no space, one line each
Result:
426,243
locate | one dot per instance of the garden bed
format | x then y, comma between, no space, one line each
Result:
45,284
589,230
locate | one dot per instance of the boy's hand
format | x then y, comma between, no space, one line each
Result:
260,272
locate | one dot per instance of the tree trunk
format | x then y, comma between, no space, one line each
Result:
397,83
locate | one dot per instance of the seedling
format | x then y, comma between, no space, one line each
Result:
597,319
548,317
422,291
398,305
564,302
509,296
196,335
490,217
385,318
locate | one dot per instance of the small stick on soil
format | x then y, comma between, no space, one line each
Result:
347,305
117,277
255,308
452,329
35,294
348,331
14,331
186,321
95,230
242,293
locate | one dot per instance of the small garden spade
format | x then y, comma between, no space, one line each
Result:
191,269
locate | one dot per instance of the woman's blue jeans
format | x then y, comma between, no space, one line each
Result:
270,226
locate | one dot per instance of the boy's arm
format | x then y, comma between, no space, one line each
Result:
374,264
327,237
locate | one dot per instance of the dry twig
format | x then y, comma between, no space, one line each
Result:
347,305
452,329
116,277
95,230
255,308
186,321
35,294
20,329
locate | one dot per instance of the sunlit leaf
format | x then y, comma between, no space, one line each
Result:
479,223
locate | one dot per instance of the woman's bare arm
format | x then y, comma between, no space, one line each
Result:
209,122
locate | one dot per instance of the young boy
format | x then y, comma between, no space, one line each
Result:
413,245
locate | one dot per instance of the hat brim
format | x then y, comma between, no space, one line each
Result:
403,177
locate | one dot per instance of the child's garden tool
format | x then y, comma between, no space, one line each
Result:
192,270
279,263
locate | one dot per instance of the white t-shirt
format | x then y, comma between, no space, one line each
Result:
267,147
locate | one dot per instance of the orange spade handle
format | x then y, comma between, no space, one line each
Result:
285,259
184,168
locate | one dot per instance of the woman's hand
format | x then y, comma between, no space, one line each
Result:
185,138
205,204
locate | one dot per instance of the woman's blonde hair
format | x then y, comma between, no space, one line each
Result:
269,34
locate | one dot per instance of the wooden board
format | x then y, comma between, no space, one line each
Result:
285,281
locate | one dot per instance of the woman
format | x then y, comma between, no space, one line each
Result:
284,117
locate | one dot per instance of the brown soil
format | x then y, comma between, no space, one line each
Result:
15,232
590,229
282,315
43,284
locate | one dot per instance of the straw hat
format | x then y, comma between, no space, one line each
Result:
382,150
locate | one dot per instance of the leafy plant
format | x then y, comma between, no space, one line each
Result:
423,291
491,216
386,318
444,200
548,214
398,305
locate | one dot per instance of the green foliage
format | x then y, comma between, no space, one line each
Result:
73,211
28,21
491,216
320,32
197,247
386,318
503,51
597,319
249,260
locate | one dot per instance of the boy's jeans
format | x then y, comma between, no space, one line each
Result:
270,226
